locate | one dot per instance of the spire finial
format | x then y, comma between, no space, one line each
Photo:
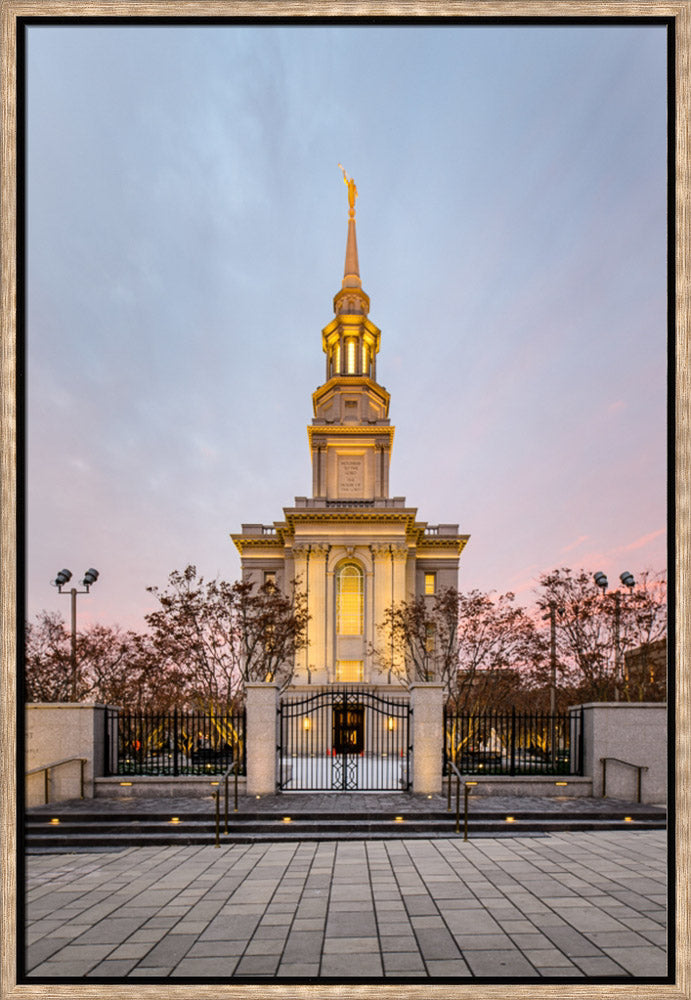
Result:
352,192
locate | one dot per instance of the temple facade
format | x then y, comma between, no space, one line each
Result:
353,548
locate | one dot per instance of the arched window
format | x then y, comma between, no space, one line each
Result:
337,359
350,356
365,359
349,600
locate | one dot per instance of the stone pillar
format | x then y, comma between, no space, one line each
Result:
427,702
261,704
635,732
60,730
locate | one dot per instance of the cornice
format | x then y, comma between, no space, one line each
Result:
242,542
349,430
351,383
405,516
454,542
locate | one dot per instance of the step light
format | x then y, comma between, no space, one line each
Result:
125,784
214,782
628,819
561,784
510,819
398,819
175,819
286,819
55,819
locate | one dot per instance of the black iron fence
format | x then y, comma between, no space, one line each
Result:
514,742
173,743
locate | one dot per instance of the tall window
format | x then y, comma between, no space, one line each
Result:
349,600
430,583
337,359
350,356
365,359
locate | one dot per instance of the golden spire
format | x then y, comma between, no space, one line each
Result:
351,271
352,192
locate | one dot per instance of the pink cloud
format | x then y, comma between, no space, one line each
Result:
574,545
640,543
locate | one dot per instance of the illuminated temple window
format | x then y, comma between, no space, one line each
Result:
337,359
350,356
365,359
430,583
349,600
349,670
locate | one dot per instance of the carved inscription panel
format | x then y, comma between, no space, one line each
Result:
351,476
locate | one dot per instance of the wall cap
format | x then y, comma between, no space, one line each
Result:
619,704
65,704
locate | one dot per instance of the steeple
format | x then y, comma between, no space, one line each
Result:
351,298
351,408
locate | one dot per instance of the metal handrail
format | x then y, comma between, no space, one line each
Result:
638,767
466,791
46,768
234,767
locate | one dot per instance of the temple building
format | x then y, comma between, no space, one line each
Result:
354,549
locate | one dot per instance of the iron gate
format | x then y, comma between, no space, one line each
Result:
343,739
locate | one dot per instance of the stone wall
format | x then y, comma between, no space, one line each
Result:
56,731
635,732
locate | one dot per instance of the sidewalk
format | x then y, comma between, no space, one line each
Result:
582,905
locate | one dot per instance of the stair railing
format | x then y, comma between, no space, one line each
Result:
617,760
232,769
47,768
467,786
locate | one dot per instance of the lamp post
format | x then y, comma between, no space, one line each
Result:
552,615
602,582
63,578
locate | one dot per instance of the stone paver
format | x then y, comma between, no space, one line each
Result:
577,904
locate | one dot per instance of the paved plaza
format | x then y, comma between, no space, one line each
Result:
572,904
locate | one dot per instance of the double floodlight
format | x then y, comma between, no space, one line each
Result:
602,582
65,575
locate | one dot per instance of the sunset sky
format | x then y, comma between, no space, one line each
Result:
186,228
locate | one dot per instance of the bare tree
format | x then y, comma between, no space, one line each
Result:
223,635
114,667
418,639
47,665
591,625
498,644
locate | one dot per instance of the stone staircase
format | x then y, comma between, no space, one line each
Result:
79,826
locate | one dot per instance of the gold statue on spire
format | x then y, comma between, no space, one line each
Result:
352,192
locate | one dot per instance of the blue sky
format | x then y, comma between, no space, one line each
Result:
186,234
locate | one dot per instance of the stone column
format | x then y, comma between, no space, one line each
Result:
635,732
261,705
57,731
428,735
